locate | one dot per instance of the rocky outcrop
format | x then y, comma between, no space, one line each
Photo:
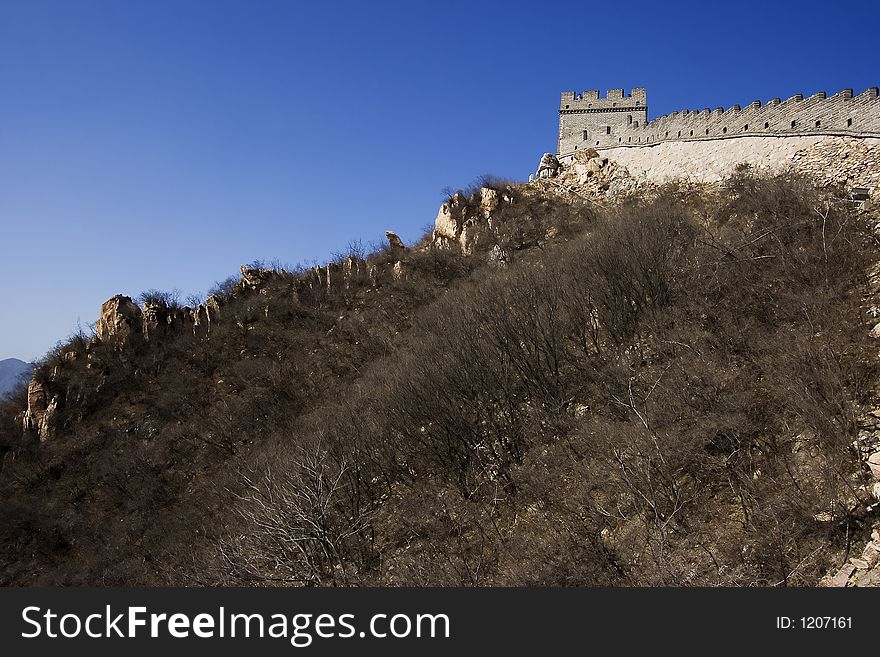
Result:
548,167
398,272
458,220
859,571
450,217
599,175
873,462
254,278
41,410
120,319
489,201
394,241
161,319
206,313
353,269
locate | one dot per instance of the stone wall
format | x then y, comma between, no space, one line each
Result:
841,114
846,161
589,119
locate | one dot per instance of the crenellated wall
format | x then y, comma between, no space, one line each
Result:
842,114
592,119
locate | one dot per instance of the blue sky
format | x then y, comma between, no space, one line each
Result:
159,144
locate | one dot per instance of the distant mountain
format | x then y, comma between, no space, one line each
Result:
12,372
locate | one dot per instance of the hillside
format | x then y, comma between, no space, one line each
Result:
12,372
585,380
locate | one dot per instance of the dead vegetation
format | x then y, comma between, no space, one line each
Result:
662,392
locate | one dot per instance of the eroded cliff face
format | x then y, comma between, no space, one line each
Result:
458,218
41,410
120,319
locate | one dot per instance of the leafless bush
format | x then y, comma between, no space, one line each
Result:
302,525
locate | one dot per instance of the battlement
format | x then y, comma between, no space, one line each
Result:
593,100
590,121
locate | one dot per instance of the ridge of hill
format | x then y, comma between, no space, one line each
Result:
583,380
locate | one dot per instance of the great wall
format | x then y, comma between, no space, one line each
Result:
706,145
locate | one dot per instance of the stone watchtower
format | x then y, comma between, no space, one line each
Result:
588,120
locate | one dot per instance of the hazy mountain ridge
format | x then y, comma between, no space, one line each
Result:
13,372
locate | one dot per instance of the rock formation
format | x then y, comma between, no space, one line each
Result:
489,201
447,224
548,167
398,272
255,277
394,241
120,319
41,410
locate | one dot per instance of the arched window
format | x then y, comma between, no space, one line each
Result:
793,124
707,131
766,125
746,127
629,119
585,135
849,123
724,130
818,124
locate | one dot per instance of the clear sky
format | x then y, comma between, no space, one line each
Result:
160,144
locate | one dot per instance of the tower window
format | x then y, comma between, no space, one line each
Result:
692,133
724,130
607,129
818,124
766,125
585,135
629,119
707,131
793,124
849,123
746,127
